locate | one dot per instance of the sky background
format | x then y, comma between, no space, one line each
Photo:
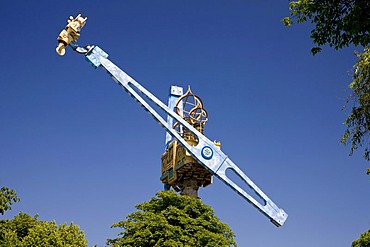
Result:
77,148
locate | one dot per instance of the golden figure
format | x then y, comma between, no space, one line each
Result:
71,33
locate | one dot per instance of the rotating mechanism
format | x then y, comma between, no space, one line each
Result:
179,169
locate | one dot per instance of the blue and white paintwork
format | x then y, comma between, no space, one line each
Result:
175,93
205,152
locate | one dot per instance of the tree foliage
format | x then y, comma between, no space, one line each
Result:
358,121
363,241
7,198
340,23
27,231
170,220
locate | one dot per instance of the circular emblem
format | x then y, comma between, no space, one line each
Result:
207,152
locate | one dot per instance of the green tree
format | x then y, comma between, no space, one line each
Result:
340,24
170,220
50,234
363,241
337,23
13,231
358,121
27,231
7,198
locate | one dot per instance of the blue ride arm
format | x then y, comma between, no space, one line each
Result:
205,152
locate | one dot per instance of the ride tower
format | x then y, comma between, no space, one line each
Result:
179,169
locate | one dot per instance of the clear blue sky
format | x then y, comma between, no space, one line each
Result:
78,149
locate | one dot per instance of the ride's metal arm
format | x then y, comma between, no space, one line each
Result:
205,152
